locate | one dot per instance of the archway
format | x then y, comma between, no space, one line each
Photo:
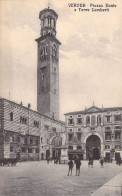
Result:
56,147
93,147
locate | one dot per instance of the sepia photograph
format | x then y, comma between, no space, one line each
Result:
60,98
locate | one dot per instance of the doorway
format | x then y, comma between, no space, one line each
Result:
93,147
96,153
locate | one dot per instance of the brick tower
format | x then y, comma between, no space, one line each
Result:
48,65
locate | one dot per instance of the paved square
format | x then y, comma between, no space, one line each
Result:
42,179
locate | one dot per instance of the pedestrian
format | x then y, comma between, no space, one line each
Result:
71,164
101,161
119,161
90,161
78,164
48,159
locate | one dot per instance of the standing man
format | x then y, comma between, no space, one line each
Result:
101,161
70,163
78,164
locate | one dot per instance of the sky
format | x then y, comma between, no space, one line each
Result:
90,54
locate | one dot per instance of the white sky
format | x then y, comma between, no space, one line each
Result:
90,54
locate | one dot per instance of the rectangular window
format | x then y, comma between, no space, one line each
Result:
18,139
107,147
37,142
70,137
108,118
107,136
36,124
11,149
25,140
79,136
23,149
117,135
23,120
29,150
117,147
70,147
70,121
117,118
31,141
37,151
79,120
79,147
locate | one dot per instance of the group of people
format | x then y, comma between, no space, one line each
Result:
71,164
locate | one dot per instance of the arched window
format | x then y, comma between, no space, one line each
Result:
54,51
93,120
43,49
87,120
99,120
11,116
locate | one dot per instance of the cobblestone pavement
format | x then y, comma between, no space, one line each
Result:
42,179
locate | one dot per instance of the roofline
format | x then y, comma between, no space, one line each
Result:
40,114
101,110
46,35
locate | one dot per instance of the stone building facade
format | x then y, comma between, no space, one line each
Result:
27,134
94,132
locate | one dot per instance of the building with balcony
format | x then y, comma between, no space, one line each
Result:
94,132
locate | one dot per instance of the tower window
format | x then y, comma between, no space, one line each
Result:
54,24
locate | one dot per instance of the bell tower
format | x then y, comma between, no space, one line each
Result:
48,65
